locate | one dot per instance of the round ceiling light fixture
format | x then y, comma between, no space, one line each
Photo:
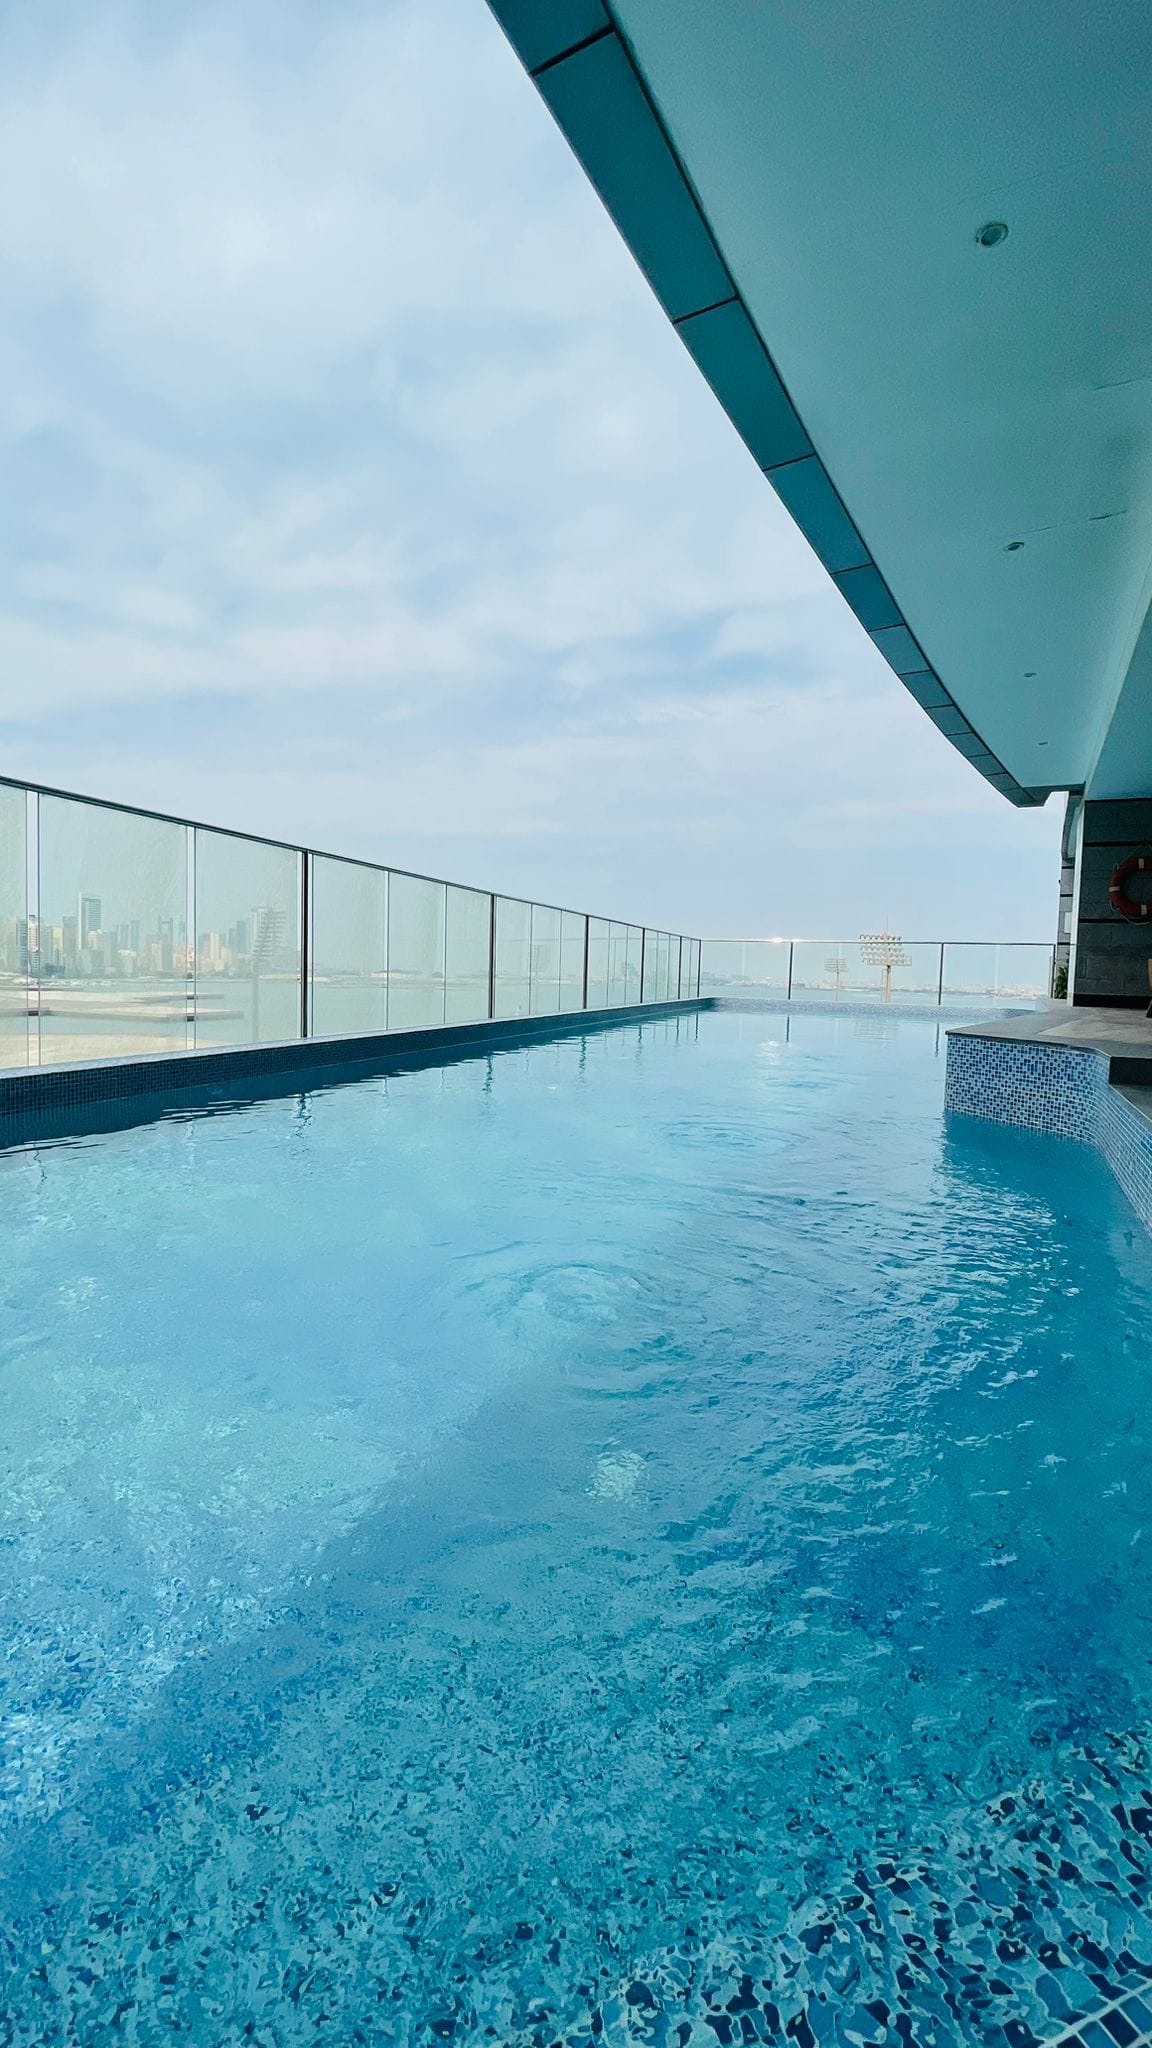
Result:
992,234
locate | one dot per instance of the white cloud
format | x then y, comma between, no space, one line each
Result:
361,492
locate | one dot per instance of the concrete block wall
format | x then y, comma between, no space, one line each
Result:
1112,952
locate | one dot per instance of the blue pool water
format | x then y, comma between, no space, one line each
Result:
644,1538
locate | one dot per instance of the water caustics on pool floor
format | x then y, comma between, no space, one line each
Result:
639,1539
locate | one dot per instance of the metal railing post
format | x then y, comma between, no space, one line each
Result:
584,988
791,954
33,904
491,957
643,948
305,936
940,979
191,976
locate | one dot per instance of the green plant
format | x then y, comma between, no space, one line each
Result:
1060,982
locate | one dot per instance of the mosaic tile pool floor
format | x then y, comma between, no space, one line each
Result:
637,1540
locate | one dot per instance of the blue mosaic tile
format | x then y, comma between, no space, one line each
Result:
1063,1090
1125,1139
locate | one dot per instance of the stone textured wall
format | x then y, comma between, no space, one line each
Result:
1112,952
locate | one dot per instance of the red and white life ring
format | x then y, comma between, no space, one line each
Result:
1130,906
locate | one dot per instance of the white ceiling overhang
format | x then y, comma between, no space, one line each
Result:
964,433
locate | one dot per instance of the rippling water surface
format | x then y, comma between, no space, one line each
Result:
642,1539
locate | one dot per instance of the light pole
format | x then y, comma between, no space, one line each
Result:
883,949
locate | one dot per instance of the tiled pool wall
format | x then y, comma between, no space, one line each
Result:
1125,1138
1063,1090
33,1101
1043,1087
853,1006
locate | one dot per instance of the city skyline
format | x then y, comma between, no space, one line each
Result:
77,945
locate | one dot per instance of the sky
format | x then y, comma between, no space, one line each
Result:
355,490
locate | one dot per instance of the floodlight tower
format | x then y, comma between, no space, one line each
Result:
883,949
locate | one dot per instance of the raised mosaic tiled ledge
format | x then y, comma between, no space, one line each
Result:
1069,1091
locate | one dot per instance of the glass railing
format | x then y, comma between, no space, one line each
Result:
878,968
123,932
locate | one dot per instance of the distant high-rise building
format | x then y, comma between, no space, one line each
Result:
267,937
88,917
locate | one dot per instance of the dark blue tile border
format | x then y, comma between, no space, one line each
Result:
51,1101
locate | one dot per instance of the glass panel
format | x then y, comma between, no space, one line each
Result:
882,966
416,910
112,933
571,960
650,968
247,940
349,969
618,989
826,967
600,962
1019,973
904,970
633,962
469,914
14,978
545,960
513,956
745,967
873,967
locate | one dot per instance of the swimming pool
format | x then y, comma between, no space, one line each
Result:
642,1538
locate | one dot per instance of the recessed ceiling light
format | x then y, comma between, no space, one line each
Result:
1010,546
992,234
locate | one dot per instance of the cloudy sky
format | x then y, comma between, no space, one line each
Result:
355,490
